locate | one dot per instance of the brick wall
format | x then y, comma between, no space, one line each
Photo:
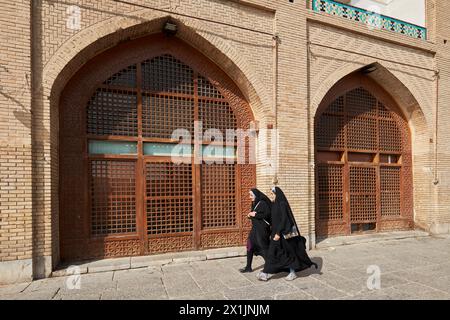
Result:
440,217
15,133
310,62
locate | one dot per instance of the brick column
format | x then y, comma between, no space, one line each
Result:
15,143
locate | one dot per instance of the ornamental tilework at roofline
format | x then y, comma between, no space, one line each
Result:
372,19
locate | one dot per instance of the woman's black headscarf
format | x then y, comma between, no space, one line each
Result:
259,196
282,208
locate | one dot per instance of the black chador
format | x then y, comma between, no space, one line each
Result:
258,239
285,254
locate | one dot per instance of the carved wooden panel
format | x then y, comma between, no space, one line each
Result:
217,240
170,244
122,248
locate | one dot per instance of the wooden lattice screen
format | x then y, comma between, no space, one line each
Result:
363,194
137,200
169,198
330,194
113,200
218,196
362,158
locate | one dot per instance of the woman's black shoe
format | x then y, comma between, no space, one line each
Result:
246,269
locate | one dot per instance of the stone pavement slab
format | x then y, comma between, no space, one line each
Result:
297,295
257,292
410,269
208,281
178,285
13,290
159,260
374,237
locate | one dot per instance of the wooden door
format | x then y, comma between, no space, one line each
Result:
362,161
136,198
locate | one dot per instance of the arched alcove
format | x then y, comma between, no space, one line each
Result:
363,161
120,192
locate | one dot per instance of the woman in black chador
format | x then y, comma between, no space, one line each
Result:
258,239
287,249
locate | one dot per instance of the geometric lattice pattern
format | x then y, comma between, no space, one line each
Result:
217,115
363,208
356,127
358,122
330,132
362,133
172,244
390,137
330,186
218,196
167,74
112,112
206,89
390,191
169,198
363,195
113,202
124,78
360,103
161,115
362,179
146,103
337,106
211,240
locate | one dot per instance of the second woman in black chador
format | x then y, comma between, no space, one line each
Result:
287,251
258,239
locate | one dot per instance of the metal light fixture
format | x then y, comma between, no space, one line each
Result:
369,68
170,28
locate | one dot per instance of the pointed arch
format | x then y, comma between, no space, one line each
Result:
363,160
135,200
87,43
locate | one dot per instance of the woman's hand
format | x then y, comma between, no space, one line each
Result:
276,237
252,214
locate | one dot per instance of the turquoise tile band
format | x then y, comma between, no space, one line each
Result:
377,21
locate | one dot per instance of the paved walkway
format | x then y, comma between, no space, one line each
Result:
417,268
